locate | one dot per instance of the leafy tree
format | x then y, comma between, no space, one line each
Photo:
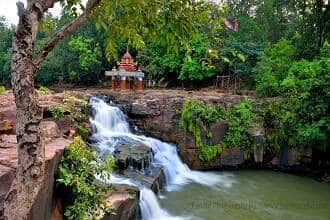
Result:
5,51
273,68
163,20
300,113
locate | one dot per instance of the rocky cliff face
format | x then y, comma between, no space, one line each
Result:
55,144
155,113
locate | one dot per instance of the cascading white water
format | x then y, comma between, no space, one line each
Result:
110,127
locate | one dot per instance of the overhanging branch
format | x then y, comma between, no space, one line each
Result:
64,31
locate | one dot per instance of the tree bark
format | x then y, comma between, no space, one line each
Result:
30,147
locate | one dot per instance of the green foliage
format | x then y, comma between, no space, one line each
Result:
57,111
267,85
195,114
72,65
209,152
240,117
273,68
76,177
78,109
5,51
89,51
43,89
169,23
198,65
2,89
301,115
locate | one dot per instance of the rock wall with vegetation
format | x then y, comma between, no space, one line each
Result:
216,131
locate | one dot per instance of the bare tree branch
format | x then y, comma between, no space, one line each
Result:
64,31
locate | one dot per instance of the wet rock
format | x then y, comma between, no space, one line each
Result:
124,201
218,131
136,155
152,178
144,109
292,157
258,139
191,157
232,157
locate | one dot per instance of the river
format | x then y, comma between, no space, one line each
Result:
209,195
253,195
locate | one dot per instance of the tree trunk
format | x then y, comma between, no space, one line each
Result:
30,147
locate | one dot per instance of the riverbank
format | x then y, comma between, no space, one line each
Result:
154,113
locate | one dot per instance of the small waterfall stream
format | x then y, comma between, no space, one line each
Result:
111,127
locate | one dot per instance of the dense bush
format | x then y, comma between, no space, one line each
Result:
2,89
57,111
195,114
302,107
76,179
273,68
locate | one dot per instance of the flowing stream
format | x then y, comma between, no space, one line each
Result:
209,195
111,127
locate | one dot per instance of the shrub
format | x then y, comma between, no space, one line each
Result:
273,68
241,117
195,114
57,111
2,89
43,89
76,179
78,109
267,85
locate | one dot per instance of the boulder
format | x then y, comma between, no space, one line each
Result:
292,157
124,201
42,206
8,119
191,157
65,124
49,130
8,141
152,178
133,154
299,156
6,127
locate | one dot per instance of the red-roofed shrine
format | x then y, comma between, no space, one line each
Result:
128,73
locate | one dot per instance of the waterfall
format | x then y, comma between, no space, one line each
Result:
110,127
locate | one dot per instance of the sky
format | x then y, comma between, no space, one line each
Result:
9,10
